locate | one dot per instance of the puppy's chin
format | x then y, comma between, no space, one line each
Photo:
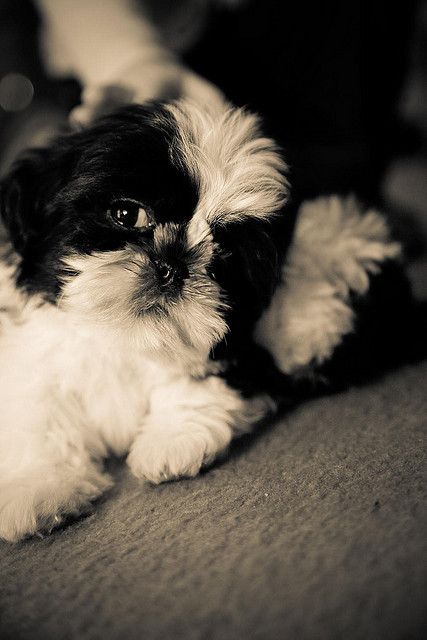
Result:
120,291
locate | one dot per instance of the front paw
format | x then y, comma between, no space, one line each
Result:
160,457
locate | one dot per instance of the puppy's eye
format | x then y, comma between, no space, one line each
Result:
130,215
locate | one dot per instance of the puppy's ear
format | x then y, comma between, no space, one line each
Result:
248,265
19,200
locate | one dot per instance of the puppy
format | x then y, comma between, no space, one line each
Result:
129,246
138,261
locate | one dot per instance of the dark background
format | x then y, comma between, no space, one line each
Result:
327,77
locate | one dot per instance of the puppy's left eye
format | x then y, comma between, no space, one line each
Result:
130,215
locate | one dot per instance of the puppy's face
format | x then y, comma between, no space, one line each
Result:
153,221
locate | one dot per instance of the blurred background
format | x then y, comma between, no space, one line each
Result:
341,86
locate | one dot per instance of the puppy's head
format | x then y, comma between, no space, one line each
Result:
156,221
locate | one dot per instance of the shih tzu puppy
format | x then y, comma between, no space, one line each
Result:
138,263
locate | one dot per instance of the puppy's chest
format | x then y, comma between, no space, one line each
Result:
114,386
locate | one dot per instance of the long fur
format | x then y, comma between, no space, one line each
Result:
129,341
101,355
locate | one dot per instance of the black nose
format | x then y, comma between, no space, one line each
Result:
170,273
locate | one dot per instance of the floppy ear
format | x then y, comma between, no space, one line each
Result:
248,266
19,199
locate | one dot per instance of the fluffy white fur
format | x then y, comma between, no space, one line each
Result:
104,294
335,248
73,394
97,373
91,376
239,172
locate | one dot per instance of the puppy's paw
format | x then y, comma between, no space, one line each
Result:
159,457
37,505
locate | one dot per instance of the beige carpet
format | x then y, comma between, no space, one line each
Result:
314,529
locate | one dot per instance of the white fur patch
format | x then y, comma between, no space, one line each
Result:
72,391
239,172
335,248
105,292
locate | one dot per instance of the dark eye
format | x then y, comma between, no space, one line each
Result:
131,215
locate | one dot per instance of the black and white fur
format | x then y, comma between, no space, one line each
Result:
124,341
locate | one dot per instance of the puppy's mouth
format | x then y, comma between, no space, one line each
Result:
170,272
165,282
165,299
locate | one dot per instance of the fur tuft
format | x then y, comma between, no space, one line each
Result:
335,249
239,173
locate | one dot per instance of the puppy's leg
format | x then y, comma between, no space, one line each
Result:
191,423
46,470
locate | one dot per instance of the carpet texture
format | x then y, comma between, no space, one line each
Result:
314,528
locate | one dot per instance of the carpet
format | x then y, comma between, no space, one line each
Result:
313,528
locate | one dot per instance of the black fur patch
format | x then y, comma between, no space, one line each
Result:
55,200
248,267
389,331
